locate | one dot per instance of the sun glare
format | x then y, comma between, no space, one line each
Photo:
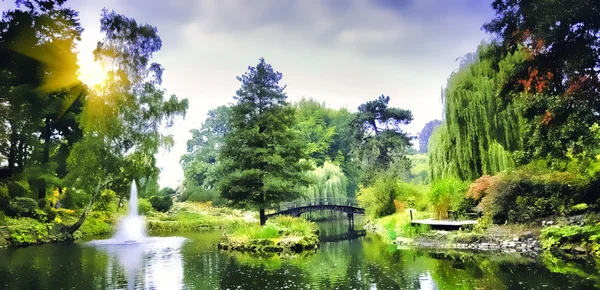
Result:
92,73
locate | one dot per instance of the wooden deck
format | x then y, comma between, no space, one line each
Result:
445,224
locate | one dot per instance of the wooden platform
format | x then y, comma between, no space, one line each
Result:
444,224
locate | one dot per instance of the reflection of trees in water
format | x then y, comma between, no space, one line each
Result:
53,266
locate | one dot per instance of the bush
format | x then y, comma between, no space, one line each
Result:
22,206
161,203
446,194
18,189
199,194
378,199
529,194
144,206
4,198
566,238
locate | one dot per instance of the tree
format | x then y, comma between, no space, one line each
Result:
479,133
426,133
262,159
121,121
313,126
39,90
379,138
558,83
200,162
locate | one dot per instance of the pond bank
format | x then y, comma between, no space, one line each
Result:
279,234
188,216
568,238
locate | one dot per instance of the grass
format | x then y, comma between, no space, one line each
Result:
279,234
278,227
398,225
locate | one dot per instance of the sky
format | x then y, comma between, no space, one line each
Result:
341,52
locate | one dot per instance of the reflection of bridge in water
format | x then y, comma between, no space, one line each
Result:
296,208
349,235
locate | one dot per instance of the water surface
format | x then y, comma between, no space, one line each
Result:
362,262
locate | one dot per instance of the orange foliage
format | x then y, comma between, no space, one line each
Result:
547,118
479,188
400,206
539,80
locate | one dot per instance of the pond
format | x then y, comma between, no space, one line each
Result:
345,260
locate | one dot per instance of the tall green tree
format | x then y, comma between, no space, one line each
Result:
39,90
121,120
263,160
480,132
379,138
200,162
558,83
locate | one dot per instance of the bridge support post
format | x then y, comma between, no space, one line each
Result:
351,221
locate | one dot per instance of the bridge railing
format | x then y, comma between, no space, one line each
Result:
318,201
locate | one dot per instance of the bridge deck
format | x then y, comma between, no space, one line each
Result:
444,224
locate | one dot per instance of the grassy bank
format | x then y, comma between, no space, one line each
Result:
280,234
188,216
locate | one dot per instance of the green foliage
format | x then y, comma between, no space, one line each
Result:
277,227
378,198
162,203
103,201
122,121
380,140
22,206
419,170
532,193
446,194
558,83
4,198
478,132
199,194
144,206
565,238
415,196
18,188
263,159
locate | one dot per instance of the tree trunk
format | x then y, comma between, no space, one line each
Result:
73,228
263,218
45,158
12,153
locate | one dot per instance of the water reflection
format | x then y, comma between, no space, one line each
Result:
361,263
154,264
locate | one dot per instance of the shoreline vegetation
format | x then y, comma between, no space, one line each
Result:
242,231
569,238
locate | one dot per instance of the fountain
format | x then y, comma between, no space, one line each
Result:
132,228
147,258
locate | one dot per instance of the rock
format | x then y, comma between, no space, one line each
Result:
515,238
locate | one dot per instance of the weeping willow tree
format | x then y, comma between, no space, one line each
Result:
329,183
481,127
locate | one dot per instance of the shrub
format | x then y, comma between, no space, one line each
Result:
22,206
378,199
200,194
18,189
4,197
529,194
161,203
104,199
144,206
564,238
446,194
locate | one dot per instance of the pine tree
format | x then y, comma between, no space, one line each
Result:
262,158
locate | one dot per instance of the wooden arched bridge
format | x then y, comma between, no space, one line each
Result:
296,208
